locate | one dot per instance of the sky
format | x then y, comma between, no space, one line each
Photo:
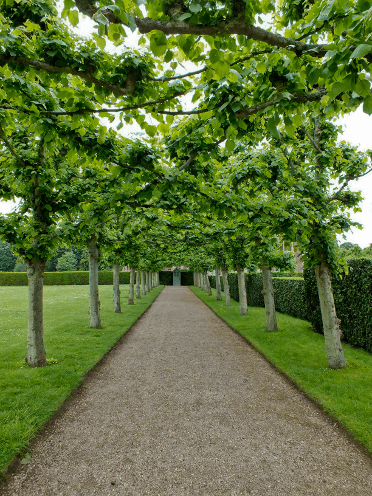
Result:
357,130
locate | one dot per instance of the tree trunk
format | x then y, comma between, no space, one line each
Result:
204,282
268,293
218,284
116,273
143,282
94,309
138,283
147,281
208,285
226,287
331,324
36,356
131,286
242,291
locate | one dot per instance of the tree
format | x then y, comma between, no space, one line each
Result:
7,259
67,262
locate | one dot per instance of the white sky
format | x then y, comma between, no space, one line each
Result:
357,130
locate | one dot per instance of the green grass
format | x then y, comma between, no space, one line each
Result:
30,396
300,354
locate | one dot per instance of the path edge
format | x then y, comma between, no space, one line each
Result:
329,417
15,465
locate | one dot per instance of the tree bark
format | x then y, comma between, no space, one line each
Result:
331,324
36,356
208,285
143,282
138,283
147,281
226,287
268,293
218,284
116,274
94,309
242,291
131,286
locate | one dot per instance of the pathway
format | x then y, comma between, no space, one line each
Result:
184,406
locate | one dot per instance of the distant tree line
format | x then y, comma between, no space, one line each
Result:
351,250
67,258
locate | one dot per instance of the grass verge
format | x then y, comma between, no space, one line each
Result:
300,354
30,396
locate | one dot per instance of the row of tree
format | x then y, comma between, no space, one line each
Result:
268,98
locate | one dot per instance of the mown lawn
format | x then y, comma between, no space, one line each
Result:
29,397
299,353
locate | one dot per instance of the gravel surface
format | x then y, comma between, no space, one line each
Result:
184,406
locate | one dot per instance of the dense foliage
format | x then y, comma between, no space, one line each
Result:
7,258
352,293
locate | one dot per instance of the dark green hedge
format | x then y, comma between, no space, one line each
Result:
61,278
166,277
13,279
290,297
299,298
353,300
187,278
289,293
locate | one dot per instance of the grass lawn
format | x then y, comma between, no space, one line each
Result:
300,354
30,396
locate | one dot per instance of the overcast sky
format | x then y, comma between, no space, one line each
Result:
357,130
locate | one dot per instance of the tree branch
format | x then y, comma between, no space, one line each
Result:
128,89
10,148
305,97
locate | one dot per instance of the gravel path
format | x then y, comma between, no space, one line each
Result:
184,406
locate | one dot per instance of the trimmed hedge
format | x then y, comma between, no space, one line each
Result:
290,295
13,279
299,298
82,277
61,278
166,277
353,300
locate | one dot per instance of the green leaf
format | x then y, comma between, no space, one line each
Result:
73,17
195,7
230,145
101,42
326,12
367,105
233,77
26,459
206,115
222,68
271,125
361,51
362,87
184,16
214,56
158,44
261,67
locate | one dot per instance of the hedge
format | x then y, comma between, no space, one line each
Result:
82,277
352,292
299,298
166,277
290,295
61,278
